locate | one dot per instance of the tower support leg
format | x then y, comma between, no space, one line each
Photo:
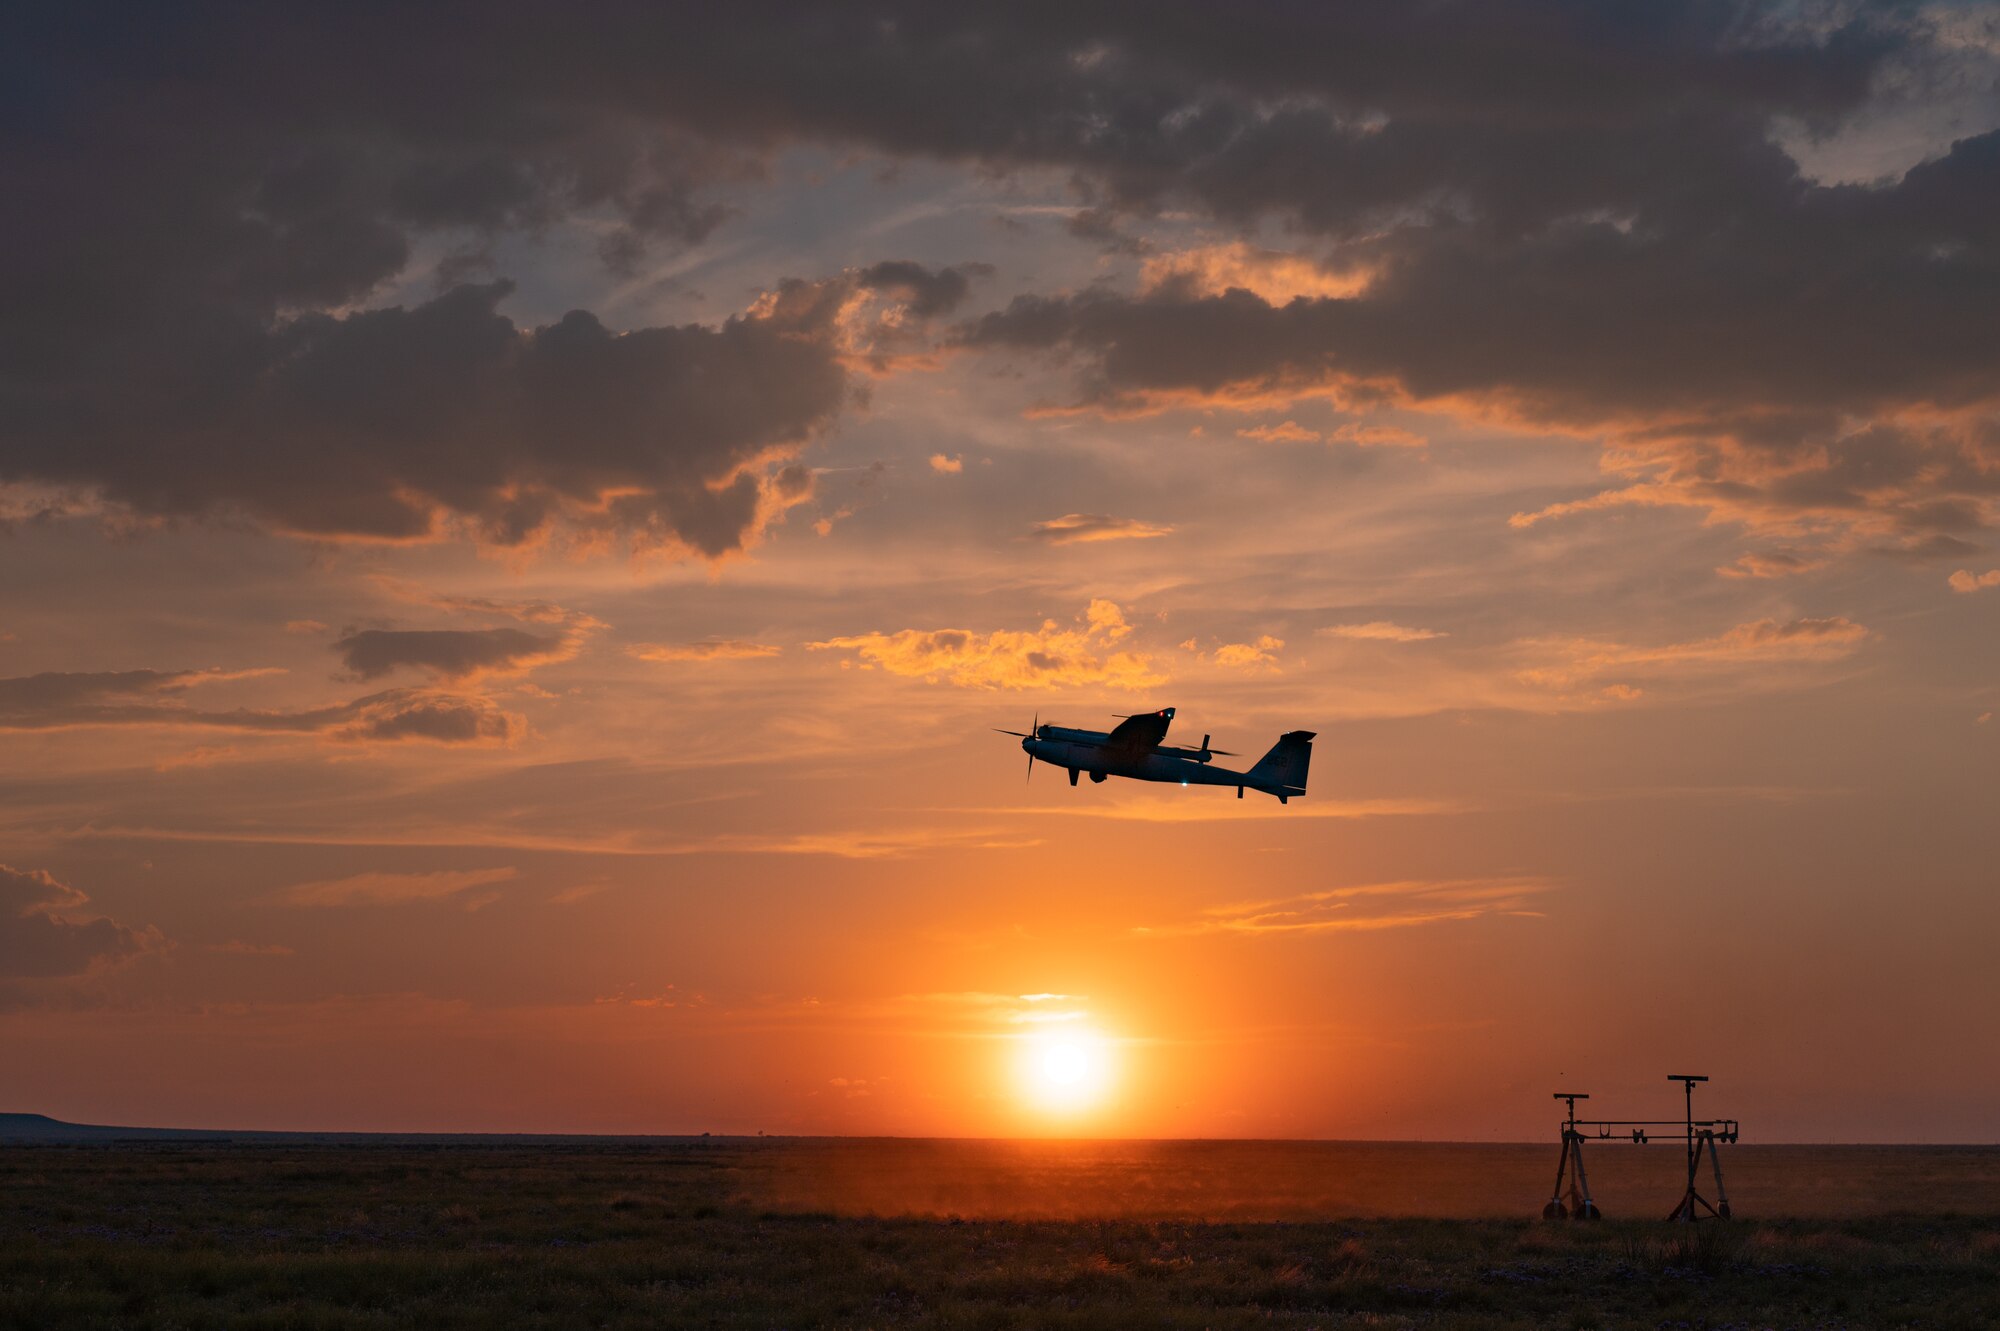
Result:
1721,1195
1692,1203
1580,1205
1555,1210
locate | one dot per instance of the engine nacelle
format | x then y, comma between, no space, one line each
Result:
1097,778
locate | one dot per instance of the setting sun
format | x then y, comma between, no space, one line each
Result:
1065,1072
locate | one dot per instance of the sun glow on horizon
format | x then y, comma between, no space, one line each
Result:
1065,1072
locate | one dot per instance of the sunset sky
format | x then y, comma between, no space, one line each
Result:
518,524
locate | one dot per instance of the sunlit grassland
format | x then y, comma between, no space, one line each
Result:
541,1236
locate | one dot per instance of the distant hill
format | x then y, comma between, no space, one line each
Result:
30,1128
42,1128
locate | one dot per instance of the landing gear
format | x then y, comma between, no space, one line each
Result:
1097,778
1072,776
1239,792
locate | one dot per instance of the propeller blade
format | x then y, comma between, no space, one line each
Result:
1031,769
1035,728
1227,753
1018,734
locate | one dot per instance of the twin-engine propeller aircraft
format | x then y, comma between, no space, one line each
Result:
1133,749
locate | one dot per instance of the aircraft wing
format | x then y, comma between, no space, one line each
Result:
1142,731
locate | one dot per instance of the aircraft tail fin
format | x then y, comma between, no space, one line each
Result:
1284,767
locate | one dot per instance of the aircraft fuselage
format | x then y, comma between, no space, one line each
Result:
1103,755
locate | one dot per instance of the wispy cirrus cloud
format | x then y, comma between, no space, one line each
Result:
451,654
1770,564
708,649
1380,630
1081,528
532,611
1005,1009
1367,906
62,701
1570,661
1167,809
390,889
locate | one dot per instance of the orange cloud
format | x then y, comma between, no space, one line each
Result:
708,649
947,466
1052,656
1965,580
1273,275
1077,528
1250,653
1367,436
1285,432
1378,436
1105,617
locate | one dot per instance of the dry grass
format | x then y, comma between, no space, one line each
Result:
354,1237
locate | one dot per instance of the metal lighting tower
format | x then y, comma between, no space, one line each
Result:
1700,1134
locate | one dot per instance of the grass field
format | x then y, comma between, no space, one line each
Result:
745,1235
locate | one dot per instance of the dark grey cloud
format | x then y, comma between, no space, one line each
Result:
201,205
63,700
53,692
375,423
925,291
1774,392
448,653
1832,300
1574,206
415,714
42,937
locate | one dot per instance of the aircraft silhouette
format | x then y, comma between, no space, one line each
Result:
1133,749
